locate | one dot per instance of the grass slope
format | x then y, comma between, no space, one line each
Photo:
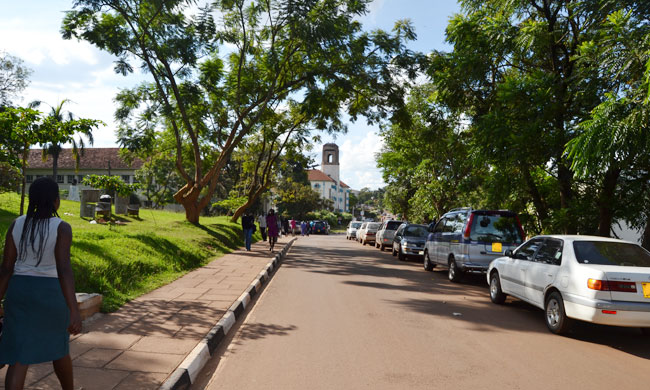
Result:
122,262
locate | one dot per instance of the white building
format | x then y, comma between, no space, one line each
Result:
327,181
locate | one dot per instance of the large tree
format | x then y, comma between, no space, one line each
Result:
215,78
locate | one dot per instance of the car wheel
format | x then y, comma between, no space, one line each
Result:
428,266
400,255
496,294
394,252
556,319
455,274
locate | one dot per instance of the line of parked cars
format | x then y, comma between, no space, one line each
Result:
587,278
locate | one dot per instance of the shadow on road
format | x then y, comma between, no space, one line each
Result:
467,301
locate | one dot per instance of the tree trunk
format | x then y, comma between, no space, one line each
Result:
188,197
251,199
55,164
565,178
606,202
538,201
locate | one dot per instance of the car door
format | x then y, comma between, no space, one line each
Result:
397,238
444,246
513,274
543,270
434,240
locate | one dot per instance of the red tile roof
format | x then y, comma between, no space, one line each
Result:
317,175
92,158
344,185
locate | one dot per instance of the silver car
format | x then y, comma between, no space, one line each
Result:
369,233
386,233
351,232
467,240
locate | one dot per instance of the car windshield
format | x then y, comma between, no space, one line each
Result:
393,225
319,224
611,253
374,226
415,231
495,228
355,225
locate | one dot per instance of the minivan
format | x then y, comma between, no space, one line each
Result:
467,240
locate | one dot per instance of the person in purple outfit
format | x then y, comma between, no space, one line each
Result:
272,226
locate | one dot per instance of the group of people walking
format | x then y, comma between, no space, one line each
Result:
271,227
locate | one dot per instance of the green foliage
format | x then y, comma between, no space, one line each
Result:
110,184
332,218
230,205
295,200
10,177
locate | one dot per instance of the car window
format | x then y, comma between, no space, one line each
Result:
392,225
374,225
400,230
415,231
458,222
449,224
355,225
495,228
611,253
527,251
364,225
440,226
550,252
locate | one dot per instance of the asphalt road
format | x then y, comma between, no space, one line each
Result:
339,315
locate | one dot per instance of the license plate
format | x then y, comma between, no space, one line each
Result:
646,290
497,247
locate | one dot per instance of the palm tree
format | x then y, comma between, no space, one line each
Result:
62,134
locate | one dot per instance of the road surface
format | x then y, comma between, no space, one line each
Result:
339,315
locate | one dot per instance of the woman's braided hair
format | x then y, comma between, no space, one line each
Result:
43,193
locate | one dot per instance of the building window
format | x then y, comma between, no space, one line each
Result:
29,178
316,185
71,179
135,179
59,178
334,186
125,178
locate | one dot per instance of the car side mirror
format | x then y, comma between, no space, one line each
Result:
509,253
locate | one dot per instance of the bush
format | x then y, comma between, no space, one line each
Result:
10,177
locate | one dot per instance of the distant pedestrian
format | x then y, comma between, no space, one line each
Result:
272,226
38,286
303,228
285,226
293,226
262,222
248,226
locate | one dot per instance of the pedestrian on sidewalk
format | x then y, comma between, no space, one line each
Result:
285,226
248,226
272,224
293,226
262,222
303,228
38,286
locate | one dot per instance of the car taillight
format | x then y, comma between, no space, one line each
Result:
468,228
604,285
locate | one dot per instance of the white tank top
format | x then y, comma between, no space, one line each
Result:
26,265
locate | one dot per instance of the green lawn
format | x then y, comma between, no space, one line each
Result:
122,262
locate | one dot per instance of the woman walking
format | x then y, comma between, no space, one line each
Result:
37,283
272,226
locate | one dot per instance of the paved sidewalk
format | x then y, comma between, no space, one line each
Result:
140,345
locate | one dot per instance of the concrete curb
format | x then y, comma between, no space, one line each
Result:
189,369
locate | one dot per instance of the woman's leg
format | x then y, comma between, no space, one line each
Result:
63,370
15,377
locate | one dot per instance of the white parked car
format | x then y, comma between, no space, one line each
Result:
360,231
386,233
351,232
595,279
369,232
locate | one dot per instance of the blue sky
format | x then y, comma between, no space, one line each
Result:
79,72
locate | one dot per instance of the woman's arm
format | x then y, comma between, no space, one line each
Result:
8,261
66,279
